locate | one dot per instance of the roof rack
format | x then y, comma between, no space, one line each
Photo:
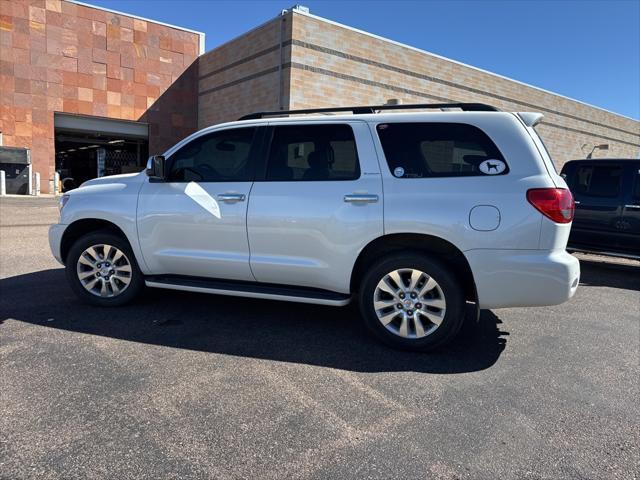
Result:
467,107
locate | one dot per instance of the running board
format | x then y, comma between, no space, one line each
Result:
232,288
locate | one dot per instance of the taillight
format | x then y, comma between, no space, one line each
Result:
554,203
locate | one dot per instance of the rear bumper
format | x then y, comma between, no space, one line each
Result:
55,240
523,278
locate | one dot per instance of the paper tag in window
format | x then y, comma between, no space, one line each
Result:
492,167
398,172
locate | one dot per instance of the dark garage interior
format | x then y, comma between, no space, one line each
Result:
82,157
91,147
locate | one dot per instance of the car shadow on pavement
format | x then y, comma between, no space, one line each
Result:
280,331
598,273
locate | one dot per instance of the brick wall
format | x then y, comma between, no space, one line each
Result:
301,61
245,74
57,56
331,65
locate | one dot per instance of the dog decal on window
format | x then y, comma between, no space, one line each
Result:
492,167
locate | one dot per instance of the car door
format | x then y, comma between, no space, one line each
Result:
194,223
596,187
317,204
629,238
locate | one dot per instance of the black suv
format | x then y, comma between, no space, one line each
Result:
607,216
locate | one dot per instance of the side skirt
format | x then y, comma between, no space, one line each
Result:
266,291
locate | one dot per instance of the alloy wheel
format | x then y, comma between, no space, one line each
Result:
104,270
409,303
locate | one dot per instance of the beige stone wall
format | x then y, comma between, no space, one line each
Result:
245,75
300,61
332,65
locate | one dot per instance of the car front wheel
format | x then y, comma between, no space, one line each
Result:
102,270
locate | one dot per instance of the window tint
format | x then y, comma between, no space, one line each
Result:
313,152
420,150
598,181
636,186
217,157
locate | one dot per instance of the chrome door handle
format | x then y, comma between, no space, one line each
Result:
360,198
231,197
632,206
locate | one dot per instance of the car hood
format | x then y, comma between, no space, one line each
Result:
120,179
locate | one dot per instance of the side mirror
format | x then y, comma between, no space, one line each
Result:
155,167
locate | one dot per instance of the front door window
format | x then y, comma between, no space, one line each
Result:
217,157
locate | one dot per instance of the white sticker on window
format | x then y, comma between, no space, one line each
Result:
398,172
492,167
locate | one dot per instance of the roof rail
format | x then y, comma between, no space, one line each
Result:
467,107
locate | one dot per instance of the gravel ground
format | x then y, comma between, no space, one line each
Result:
183,385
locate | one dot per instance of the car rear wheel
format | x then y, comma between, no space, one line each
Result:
412,301
102,270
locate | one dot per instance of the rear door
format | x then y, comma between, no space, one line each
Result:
629,238
318,203
597,189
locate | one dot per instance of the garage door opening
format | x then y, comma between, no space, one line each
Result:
91,147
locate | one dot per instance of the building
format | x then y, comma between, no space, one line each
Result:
299,60
90,91
146,84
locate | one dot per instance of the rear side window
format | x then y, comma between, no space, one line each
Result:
598,181
313,153
422,150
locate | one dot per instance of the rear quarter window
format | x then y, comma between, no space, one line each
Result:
427,150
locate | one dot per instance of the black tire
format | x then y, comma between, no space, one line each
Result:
447,281
103,237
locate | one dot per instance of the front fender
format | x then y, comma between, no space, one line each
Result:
115,203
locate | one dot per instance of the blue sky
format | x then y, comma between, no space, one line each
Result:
587,50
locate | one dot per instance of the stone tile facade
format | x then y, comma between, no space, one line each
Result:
58,56
305,62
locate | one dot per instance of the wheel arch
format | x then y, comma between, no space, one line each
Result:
84,226
446,252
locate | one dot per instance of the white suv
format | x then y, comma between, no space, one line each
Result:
414,214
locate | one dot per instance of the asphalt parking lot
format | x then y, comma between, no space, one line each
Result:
183,385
